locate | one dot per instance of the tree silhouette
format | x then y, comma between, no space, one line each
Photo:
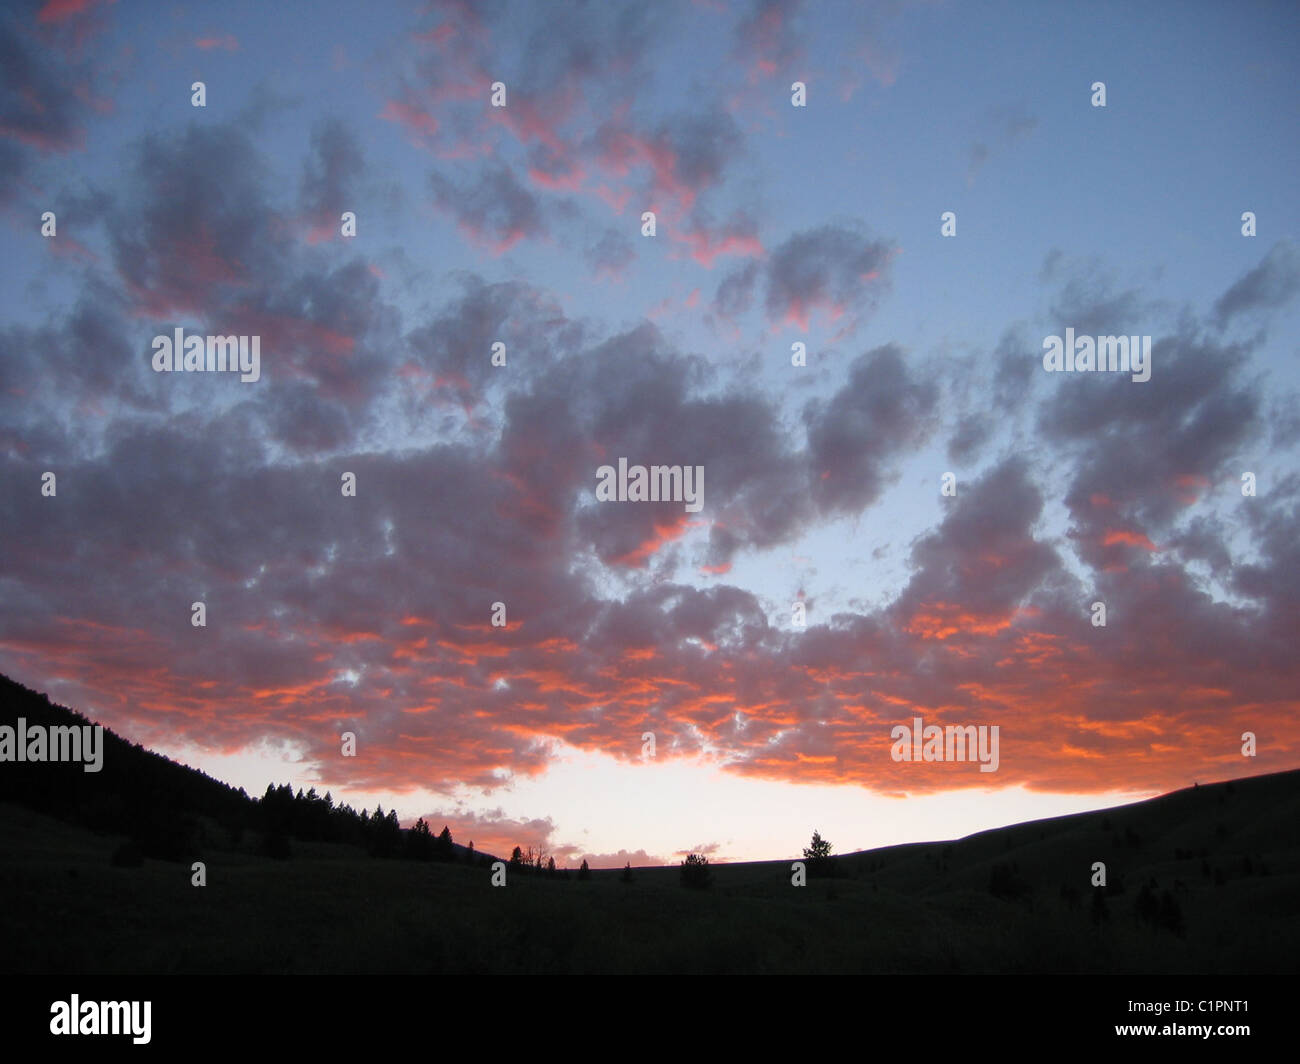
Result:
695,871
419,843
818,855
445,849
584,872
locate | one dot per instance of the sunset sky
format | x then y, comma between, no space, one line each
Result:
476,483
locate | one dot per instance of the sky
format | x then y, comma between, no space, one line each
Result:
384,194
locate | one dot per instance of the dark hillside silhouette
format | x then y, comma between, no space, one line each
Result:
173,812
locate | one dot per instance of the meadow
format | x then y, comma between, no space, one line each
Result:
1012,900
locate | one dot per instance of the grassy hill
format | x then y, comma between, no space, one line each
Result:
1228,855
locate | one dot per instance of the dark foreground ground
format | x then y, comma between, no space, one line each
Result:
1221,867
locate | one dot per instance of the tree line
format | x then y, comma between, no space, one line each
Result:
313,817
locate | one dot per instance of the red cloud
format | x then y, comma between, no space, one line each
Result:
1126,536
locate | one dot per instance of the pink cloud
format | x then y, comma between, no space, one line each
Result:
62,10
226,41
419,123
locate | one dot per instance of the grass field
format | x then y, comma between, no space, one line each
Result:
1229,854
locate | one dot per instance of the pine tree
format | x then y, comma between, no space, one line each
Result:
818,855
420,842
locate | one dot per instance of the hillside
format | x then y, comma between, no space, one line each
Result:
1198,881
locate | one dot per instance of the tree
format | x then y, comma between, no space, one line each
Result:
584,872
818,855
516,858
627,873
550,866
695,871
444,849
419,843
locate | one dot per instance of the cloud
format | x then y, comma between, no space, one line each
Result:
1148,455
611,254
494,210
878,413
493,832
198,227
54,11
834,269
735,292
1004,126
982,562
621,858
685,157
737,236
768,41
226,41
1271,284
330,180
39,105
476,483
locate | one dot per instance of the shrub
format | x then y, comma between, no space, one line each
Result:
1147,906
1171,914
695,871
